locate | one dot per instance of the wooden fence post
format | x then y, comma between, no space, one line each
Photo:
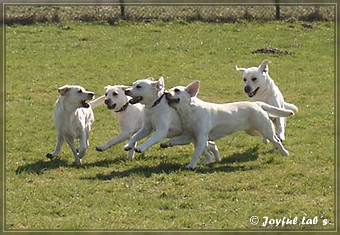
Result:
278,17
122,9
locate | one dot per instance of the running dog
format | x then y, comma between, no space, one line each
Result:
209,121
260,87
130,116
159,117
73,117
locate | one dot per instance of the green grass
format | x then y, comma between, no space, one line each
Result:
154,191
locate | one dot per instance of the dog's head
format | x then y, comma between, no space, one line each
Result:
255,77
145,91
75,96
181,95
115,97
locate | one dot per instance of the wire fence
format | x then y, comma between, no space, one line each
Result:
30,14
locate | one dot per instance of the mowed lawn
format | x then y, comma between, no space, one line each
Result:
154,190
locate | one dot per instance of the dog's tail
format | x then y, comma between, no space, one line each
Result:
97,102
274,111
291,107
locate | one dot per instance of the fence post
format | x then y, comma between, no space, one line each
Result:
278,17
122,9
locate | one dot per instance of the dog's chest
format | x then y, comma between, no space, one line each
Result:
74,124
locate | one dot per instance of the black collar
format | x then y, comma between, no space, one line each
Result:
158,101
123,107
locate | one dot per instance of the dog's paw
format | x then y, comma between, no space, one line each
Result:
100,149
207,161
77,161
50,156
190,166
165,145
138,150
127,147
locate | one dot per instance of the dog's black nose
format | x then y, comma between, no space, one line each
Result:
247,89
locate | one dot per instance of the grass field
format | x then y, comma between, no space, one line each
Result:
154,191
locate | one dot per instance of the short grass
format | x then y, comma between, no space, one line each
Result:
154,191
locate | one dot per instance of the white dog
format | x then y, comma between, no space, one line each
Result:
208,121
260,87
130,116
159,117
73,118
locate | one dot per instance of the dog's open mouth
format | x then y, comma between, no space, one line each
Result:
251,94
172,101
136,99
84,104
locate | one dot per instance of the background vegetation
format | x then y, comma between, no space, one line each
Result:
154,191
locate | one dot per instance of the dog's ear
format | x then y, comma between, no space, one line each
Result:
263,67
124,87
193,88
240,69
159,84
63,90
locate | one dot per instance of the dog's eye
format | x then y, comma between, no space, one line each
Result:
80,91
177,90
114,93
105,94
244,79
138,86
254,79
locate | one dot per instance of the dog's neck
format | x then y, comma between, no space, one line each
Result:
123,108
64,108
158,100
265,90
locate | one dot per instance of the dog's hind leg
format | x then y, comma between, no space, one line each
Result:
59,144
212,147
278,144
208,156
269,133
280,123
200,145
69,141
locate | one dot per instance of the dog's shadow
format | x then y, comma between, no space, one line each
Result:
247,156
168,168
40,166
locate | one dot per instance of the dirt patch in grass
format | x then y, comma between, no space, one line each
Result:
271,50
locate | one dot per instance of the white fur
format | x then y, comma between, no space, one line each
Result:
260,87
73,119
209,121
129,116
159,117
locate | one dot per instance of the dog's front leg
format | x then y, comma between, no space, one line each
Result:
83,145
131,153
183,139
280,128
155,138
115,140
59,144
200,145
144,131
69,141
